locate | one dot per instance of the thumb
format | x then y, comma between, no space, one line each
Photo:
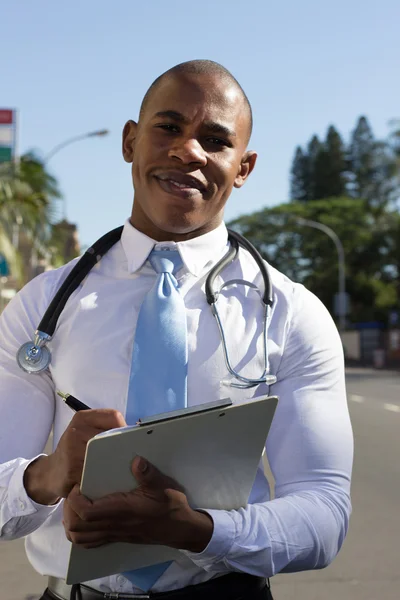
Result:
144,472
147,474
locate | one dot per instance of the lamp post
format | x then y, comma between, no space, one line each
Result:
77,138
341,266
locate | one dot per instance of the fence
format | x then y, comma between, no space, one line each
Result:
372,346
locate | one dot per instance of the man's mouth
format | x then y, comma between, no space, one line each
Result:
175,181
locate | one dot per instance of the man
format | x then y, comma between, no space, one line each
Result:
188,150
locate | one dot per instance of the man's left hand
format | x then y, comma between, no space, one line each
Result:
156,512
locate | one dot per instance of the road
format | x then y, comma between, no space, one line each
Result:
367,567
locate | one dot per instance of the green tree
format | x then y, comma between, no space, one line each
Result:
319,171
385,183
64,243
394,139
361,159
302,180
313,150
28,194
373,167
300,176
309,256
330,167
366,168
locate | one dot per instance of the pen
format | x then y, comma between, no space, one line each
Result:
72,402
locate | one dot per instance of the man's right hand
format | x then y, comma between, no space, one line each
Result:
52,477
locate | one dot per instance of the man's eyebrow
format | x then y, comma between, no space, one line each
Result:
210,125
172,114
218,128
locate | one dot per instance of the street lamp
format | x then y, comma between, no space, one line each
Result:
77,138
341,266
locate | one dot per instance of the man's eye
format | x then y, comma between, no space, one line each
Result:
217,141
169,127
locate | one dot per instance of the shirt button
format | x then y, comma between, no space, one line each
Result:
22,505
121,580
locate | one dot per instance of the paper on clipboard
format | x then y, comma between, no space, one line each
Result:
214,455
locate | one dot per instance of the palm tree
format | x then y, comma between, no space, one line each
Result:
28,195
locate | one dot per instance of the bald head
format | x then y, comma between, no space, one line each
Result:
200,67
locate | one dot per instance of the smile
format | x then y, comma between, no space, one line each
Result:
186,189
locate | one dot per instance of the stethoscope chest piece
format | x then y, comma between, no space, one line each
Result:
34,357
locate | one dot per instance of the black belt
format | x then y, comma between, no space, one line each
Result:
227,587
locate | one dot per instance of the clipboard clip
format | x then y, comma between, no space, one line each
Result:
184,412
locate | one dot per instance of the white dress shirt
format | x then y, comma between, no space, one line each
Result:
309,447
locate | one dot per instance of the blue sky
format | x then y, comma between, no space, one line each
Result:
77,66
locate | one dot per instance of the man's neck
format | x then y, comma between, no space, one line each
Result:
160,235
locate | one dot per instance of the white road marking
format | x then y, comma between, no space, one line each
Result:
392,407
356,398
387,406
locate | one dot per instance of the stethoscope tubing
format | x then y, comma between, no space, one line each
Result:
74,279
28,352
93,254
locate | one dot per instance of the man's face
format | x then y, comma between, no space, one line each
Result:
187,152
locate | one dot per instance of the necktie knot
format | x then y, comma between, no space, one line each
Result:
165,261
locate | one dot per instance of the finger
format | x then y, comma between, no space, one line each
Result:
88,538
99,418
102,541
80,526
79,504
113,507
72,522
71,519
91,539
147,474
89,545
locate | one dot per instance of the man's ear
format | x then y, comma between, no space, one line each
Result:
246,166
128,140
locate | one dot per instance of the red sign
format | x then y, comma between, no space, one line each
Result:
6,116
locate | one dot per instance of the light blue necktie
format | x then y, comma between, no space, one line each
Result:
158,378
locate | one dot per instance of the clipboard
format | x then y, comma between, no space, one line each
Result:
212,450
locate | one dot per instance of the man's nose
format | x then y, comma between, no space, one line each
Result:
188,151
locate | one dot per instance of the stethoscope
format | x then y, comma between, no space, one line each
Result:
35,357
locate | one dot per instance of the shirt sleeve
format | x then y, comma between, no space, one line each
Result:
26,410
310,451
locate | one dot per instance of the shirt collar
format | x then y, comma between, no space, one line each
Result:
195,253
